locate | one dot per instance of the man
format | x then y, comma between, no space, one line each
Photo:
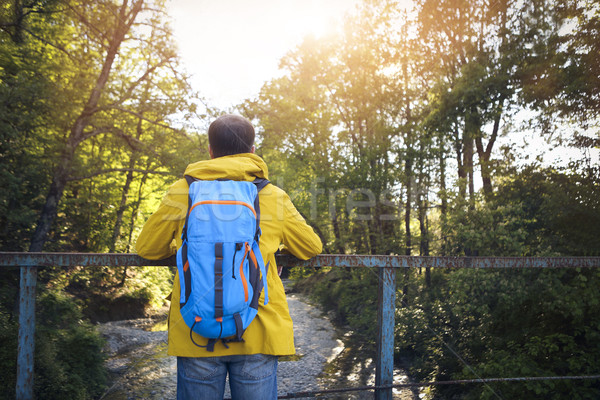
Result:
252,363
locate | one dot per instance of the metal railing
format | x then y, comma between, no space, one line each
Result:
386,266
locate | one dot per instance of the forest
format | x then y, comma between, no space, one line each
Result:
401,133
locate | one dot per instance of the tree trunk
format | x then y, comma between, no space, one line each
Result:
485,154
486,173
55,193
338,234
375,229
471,128
76,135
422,203
128,180
443,198
17,34
462,173
134,212
407,212
408,208
424,229
408,176
335,222
468,165
122,206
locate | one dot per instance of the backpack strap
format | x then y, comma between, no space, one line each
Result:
184,251
219,281
210,346
260,184
239,327
189,179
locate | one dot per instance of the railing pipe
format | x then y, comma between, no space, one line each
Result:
11,259
25,351
384,357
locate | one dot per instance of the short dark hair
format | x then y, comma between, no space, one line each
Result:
230,134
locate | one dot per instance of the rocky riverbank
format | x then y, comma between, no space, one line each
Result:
141,369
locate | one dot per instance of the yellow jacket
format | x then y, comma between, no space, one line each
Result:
271,332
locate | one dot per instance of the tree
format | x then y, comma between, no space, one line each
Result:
121,22
470,46
85,82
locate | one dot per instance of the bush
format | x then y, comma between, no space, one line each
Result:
68,359
8,355
69,362
352,295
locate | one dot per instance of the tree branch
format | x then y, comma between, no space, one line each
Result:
96,132
136,114
134,143
135,84
41,11
84,21
339,108
164,30
132,14
46,42
107,171
490,145
4,27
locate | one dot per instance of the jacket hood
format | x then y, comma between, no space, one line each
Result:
237,167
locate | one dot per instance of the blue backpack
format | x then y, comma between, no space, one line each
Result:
221,269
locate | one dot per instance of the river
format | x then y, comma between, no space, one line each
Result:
140,368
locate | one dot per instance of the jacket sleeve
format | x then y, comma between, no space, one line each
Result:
155,242
299,239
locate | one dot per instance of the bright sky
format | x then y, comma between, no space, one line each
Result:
232,47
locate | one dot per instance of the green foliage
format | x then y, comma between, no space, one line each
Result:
388,106
534,212
69,362
68,359
331,132
8,352
296,274
503,324
130,147
488,230
26,106
115,293
513,322
8,331
352,295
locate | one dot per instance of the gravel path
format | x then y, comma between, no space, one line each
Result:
138,359
141,369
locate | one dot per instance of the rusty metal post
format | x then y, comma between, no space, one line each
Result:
24,389
386,307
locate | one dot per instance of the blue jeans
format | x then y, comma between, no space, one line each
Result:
250,377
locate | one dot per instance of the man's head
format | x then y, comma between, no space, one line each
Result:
230,134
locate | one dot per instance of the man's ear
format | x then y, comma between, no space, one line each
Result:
253,149
210,152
